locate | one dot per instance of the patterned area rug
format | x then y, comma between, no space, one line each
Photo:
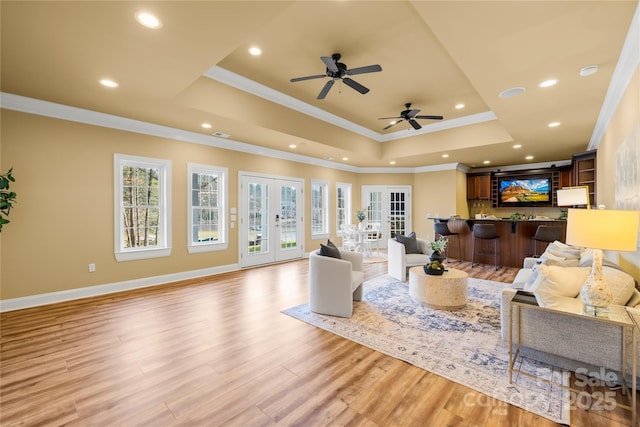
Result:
463,346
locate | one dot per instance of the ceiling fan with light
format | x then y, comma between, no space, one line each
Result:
410,116
337,71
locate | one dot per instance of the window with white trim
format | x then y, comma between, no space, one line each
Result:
319,209
343,205
207,190
142,207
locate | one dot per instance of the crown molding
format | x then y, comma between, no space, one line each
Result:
242,83
542,165
443,125
64,112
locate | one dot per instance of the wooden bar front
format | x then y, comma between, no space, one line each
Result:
516,238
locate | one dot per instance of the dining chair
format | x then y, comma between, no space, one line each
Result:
373,237
349,238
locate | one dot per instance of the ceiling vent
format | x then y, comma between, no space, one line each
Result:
221,135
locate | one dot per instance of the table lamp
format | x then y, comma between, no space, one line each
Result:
600,229
573,196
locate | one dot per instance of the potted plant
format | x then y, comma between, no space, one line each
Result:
361,214
438,247
7,198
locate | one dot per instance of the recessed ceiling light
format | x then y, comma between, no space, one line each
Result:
516,146
255,51
589,70
393,122
529,158
345,158
148,20
392,162
109,83
292,145
445,155
459,106
548,83
206,125
554,124
486,162
508,93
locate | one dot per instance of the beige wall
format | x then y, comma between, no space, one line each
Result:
625,121
434,193
64,216
63,219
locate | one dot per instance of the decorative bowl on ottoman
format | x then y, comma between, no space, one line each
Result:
434,268
433,271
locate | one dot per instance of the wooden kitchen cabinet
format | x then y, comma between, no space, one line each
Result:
479,187
585,174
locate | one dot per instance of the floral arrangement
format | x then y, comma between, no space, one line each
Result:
361,214
439,245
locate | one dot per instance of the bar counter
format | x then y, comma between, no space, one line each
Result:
516,239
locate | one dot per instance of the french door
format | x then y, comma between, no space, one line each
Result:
270,219
391,207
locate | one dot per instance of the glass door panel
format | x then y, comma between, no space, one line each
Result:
270,222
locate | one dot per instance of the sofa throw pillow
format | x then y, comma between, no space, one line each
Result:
563,250
567,304
634,300
554,283
532,277
549,258
330,251
620,284
330,243
586,258
410,243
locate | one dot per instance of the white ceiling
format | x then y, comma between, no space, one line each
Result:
196,68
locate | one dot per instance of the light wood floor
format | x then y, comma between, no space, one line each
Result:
217,351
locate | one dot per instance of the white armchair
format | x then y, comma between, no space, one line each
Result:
335,283
399,261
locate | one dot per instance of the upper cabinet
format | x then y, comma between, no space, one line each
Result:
565,178
479,187
584,172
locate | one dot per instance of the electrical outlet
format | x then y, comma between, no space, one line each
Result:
92,268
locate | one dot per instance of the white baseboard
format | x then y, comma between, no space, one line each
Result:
109,288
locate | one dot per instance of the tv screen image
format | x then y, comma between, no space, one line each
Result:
528,190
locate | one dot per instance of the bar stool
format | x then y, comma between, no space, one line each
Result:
545,233
442,229
487,232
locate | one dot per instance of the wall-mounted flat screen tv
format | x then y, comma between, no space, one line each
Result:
525,191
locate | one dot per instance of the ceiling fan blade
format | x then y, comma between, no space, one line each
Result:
355,85
362,70
330,63
415,124
411,114
429,117
325,89
388,118
299,79
401,120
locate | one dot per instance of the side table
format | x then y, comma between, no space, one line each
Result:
618,316
446,292
634,315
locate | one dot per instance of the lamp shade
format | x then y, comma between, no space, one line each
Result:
573,196
603,229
